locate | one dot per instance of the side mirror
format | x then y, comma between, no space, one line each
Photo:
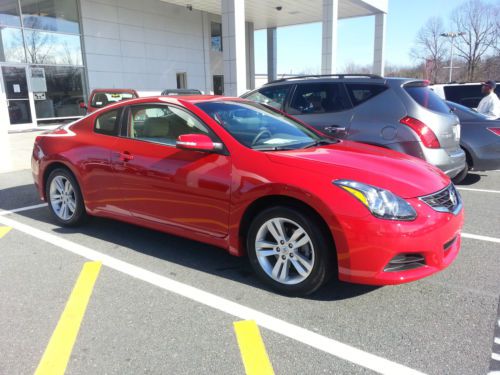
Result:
197,142
83,105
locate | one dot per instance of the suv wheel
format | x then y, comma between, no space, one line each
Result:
288,251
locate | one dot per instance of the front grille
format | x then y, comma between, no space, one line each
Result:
446,200
405,262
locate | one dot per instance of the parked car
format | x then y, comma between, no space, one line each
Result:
178,92
467,94
102,97
236,174
480,138
395,113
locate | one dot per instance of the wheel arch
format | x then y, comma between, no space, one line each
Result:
267,201
53,166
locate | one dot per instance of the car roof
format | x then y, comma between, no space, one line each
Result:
355,78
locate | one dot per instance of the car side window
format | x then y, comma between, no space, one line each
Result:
361,92
162,123
273,96
108,123
319,98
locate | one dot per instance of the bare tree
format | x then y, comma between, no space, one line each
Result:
430,46
478,21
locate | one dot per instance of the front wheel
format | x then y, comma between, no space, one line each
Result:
289,251
64,198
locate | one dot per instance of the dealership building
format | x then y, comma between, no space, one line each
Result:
53,52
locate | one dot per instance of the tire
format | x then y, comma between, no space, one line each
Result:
461,176
57,185
311,252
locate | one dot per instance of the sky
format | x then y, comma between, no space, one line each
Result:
299,47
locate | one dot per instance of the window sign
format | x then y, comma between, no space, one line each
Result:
38,81
39,96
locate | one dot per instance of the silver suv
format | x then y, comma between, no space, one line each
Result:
397,113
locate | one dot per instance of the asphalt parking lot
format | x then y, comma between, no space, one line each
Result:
165,305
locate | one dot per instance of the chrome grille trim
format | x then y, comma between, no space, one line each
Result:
442,200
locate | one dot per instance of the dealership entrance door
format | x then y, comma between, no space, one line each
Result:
18,98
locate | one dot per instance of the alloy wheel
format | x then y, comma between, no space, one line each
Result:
62,197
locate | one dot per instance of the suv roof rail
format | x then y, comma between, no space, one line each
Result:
339,76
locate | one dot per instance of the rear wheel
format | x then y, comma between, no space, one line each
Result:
289,251
64,198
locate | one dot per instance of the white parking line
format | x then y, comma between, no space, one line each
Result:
497,340
479,190
495,356
305,336
481,238
27,208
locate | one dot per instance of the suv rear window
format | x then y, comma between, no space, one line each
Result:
361,92
427,98
102,99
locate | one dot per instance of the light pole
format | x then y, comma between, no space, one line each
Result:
452,36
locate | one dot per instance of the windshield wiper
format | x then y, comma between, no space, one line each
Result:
321,142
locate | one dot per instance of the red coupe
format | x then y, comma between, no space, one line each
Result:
254,181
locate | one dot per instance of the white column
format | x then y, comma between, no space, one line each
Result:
379,44
272,61
329,39
233,46
250,56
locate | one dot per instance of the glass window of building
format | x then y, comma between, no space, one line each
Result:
63,92
11,45
9,13
51,48
51,15
216,36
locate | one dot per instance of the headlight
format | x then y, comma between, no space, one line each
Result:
381,203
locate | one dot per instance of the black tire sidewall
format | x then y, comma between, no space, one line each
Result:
79,214
323,250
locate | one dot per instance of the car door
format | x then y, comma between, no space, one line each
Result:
323,105
100,185
166,185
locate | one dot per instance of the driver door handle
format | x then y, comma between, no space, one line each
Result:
335,129
125,156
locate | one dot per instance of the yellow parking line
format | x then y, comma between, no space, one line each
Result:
253,351
4,231
56,356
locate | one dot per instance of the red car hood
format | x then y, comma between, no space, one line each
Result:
402,174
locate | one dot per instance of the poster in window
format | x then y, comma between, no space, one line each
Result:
38,81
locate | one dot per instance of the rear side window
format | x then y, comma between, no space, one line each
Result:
427,98
273,96
108,123
319,98
361,92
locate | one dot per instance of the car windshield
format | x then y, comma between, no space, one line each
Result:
102,99
462,111
261,128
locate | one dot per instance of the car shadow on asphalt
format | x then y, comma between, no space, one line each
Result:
195,255
471,179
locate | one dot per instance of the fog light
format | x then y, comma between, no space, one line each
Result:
405,262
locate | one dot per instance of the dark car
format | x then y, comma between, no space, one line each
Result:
177,92
468,94
480,138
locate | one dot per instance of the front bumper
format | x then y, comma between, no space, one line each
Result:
369,249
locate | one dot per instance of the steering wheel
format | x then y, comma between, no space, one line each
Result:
260,135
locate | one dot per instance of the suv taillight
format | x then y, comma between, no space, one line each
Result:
425,133
495,130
